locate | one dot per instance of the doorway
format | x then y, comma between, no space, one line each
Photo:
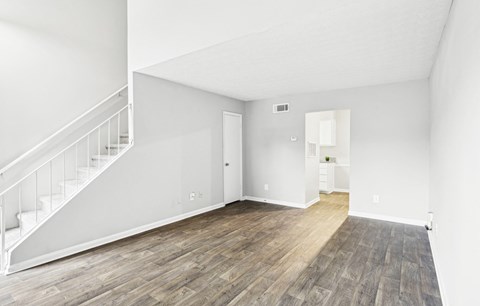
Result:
232,157
327,160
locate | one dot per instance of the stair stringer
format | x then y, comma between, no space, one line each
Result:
52,215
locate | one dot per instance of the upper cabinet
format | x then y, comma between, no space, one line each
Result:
328,133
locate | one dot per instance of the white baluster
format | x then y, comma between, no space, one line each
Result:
3,209
51,187
98,149
20,207
36,197
2,221
64,178
76,163
118,133
108,148
88,156
130,123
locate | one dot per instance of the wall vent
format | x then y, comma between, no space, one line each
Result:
281,108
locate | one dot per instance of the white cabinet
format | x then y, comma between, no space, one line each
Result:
328,133
327,177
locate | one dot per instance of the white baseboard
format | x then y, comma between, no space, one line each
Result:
312,202
276,202
341,190
387,218
101,241
441,284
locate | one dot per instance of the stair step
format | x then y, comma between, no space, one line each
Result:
70,186
45,201
29,219
71,183
114,149
83,172
29,216
124,138
116,146
87,169
101,157
11,236
100,160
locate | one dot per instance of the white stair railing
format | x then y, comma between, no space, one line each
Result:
37,195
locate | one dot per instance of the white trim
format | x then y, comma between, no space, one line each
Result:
241,151
276,202
387,218
341,190
312,202
18,159
101,241
441,284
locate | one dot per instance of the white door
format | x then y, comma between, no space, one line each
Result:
232,157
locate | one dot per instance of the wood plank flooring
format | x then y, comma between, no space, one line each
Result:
245,254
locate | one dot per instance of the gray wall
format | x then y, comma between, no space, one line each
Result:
57,59
178,150
389,147
455,155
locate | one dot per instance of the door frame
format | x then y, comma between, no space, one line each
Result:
241,151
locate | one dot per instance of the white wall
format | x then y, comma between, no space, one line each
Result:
178,150
389,147
455,152
57,59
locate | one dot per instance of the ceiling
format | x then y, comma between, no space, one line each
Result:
342,44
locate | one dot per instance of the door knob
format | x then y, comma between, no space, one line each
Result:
227,164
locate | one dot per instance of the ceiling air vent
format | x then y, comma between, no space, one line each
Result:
281,108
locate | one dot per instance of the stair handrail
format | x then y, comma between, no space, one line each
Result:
46,140
129,105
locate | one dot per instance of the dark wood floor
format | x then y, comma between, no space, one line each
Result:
245,254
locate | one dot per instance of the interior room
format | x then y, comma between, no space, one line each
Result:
273,152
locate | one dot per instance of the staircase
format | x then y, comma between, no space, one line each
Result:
28,203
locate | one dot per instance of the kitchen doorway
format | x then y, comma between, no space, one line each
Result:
327,160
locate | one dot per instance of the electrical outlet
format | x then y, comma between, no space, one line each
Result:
265,187
192,196
376,199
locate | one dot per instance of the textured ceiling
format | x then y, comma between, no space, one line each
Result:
343,44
